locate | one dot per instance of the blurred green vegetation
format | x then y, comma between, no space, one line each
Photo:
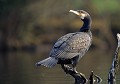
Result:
41,22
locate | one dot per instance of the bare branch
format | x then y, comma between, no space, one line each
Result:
115,64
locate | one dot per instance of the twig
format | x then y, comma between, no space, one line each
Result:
99,80
92,76
91,79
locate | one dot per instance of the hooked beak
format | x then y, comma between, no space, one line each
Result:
75,12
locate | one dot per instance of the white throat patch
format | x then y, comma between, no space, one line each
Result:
83,16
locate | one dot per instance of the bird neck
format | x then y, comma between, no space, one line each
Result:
86,24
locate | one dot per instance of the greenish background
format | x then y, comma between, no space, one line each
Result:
29,28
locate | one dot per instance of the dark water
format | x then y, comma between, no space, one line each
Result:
18,68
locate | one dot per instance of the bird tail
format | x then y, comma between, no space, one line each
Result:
48,62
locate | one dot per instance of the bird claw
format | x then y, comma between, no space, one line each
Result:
68,69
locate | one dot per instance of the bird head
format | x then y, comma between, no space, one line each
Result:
81,13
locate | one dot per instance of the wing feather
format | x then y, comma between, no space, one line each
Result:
70,45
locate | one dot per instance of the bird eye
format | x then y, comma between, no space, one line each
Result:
81,12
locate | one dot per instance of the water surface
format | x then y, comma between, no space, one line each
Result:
18,68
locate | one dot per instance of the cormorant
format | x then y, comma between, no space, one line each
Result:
71,47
